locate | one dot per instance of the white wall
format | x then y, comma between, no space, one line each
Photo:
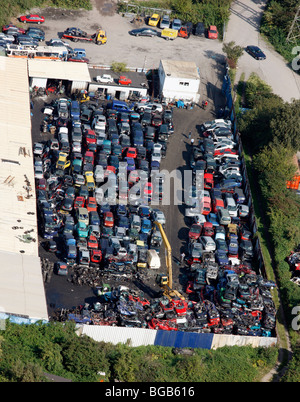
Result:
39,82
178,88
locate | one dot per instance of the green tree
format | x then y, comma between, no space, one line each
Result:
233,53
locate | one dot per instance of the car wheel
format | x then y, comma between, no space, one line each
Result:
39,22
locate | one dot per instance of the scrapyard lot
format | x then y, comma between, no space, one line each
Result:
62,293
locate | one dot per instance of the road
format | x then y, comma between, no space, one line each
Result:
243,29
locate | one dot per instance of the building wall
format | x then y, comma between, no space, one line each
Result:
38,82
178,88
111,90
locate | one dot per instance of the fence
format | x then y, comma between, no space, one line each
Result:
227,91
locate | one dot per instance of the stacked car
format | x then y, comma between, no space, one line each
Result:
221,265
95,182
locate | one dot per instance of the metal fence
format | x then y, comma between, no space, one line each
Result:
227,91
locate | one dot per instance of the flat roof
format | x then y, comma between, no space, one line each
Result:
18,220
21,283
138,79
21,286
181,69
60,70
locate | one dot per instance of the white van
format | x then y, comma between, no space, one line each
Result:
224,216
231,205
153,259
208,243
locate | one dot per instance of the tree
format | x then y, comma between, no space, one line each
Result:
118,67
286,124
233,53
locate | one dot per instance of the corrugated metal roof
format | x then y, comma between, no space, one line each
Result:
61,70
132,336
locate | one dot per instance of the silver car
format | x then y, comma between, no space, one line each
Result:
165,22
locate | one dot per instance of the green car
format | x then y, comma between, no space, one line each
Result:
81,229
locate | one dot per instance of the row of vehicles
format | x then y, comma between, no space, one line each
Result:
18,42
184,29
220,256
98,209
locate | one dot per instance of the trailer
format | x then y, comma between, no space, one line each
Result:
76,35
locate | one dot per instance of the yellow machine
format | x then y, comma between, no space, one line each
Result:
166,281
101,37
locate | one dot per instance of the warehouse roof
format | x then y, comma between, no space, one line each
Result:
18,221
180,69
21,284
61,70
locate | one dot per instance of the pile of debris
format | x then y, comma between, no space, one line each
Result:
124,307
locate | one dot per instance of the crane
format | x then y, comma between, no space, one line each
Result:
166,281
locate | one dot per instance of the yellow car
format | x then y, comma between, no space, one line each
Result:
89,181
62,163
153,20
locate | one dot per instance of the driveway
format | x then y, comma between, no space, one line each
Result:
243,29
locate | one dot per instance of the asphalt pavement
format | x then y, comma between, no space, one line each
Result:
243,28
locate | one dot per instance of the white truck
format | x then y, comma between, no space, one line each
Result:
153,259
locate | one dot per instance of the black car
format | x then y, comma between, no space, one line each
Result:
36,33
144,32
256,52
199,29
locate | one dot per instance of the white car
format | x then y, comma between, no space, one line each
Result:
38,148
99,122
159,216
149,106
105,79
156,153
38,170
76,147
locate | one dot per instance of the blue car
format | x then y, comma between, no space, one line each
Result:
213,219
130,164
94,218
123,222
146,226
233,247
221,257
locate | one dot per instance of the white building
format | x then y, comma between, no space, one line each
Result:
179,80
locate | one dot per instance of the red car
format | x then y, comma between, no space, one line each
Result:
124,80
95,256
108,219
13,27
91,204
208,229
212,32
195,231
78,59
32,18
131,152
79,202
92,243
